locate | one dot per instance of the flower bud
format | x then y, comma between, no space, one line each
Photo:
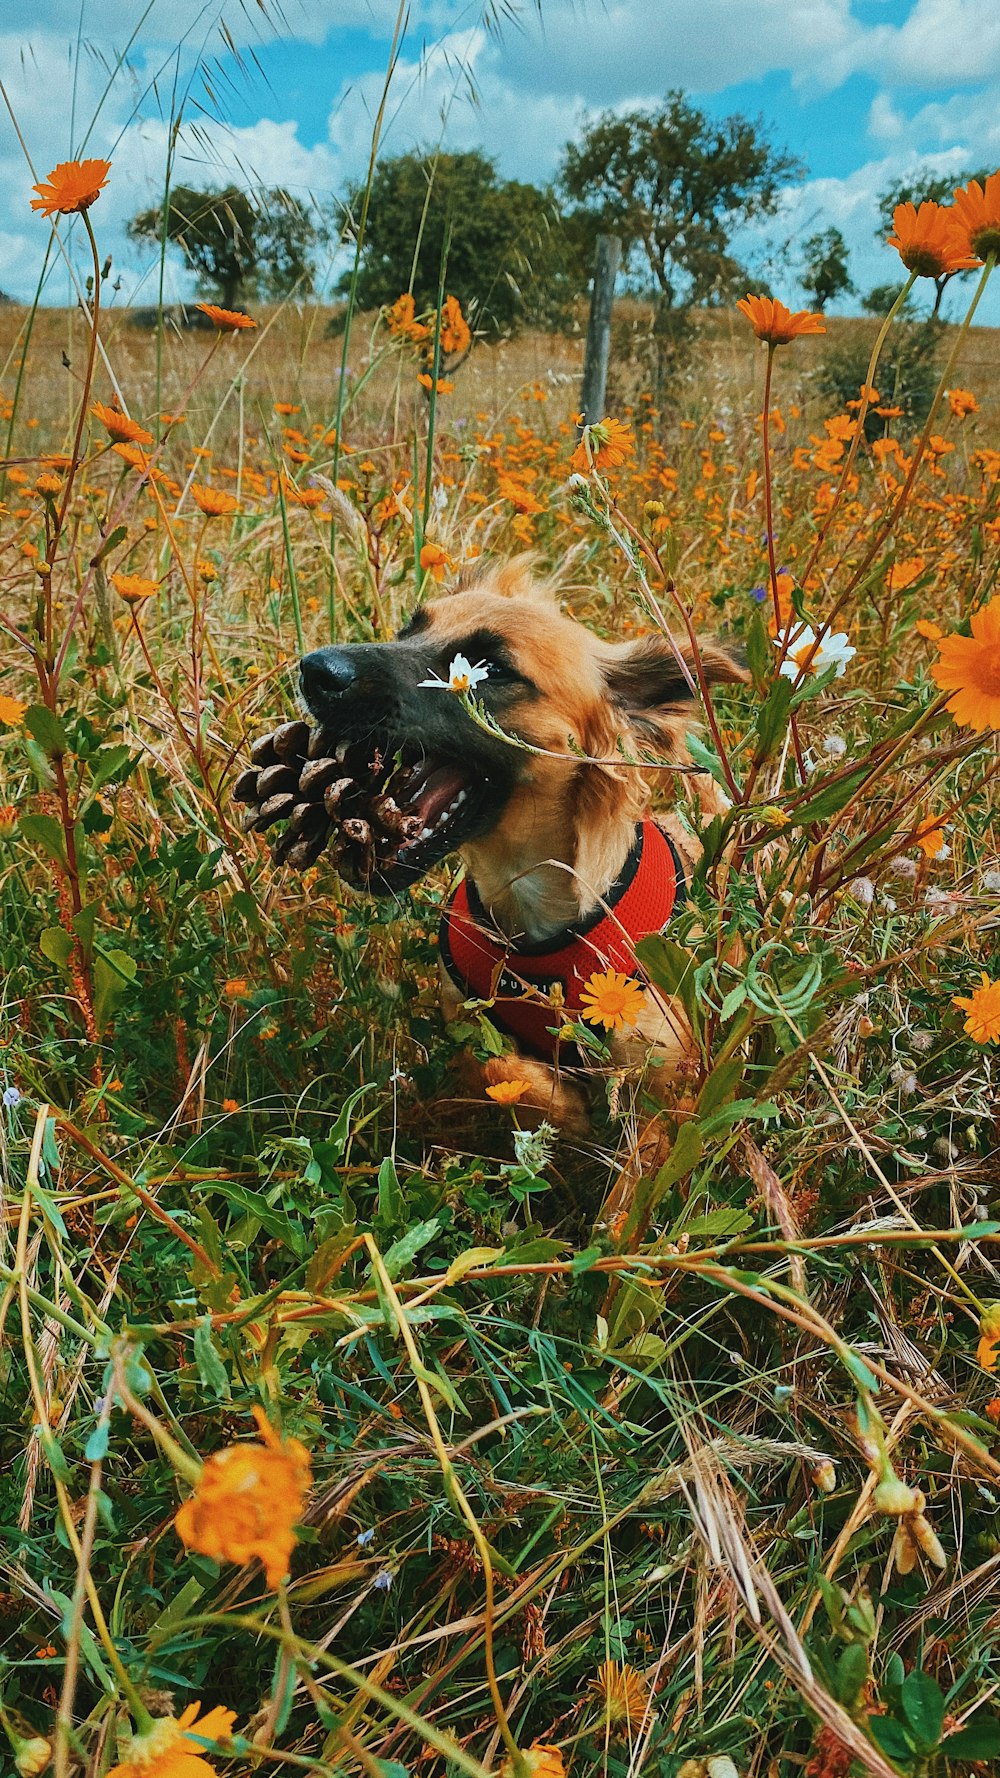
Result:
33,1756
653,509
824,1475
894,1497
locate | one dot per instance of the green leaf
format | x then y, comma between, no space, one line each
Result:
734,1000
724,1223
113,539
852,1674
979,1739
586,1259
760,652
211,1369
772,718
96,1446
111,762
706,759
255,1204
827,801
45,834
405,1250
114,971
672,969
391,1203
922,1703
891,1736
47,730
720,1087
56,945
338,1138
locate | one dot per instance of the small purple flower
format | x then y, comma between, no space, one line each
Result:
11,1097
365,1538
759,593
382,1581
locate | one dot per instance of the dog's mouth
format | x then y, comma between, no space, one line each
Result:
383,813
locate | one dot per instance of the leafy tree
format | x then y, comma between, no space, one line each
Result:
880,298
934,188
824,267
239,246
508,258
674,185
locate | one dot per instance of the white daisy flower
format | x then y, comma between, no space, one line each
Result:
462,676
808,656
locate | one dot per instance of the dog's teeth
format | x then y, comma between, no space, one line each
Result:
424,834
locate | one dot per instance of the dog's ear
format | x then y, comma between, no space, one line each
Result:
646,682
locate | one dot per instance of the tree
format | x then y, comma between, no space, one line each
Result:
675,185
880,298
239,246
933,188
505,253
824,267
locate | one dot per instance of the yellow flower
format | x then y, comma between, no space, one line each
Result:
605,445
771,321
169,1750
611,999
622,1693
11,711
133,588
542,1759
969,666
71,186
247,1502
215,503
508,1092
983,1008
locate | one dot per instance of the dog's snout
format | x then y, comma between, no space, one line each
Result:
327,673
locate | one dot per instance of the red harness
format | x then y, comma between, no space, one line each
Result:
483,965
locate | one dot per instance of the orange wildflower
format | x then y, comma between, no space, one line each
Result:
443,386
929,240
226,320
542,1759
236,988
969,666
119,426
230,1105
775,324
402,321
287,407
604,445
133,588
215,503
962,402
455,334
72,186
508,1092
133,456
434,560
931,840
927,628
977,216
983,1021
11,711
48,485
247,1502
903,574
611,999
169,1749
622,1693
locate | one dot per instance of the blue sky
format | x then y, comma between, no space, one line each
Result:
862,91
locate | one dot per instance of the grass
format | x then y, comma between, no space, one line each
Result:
626,1491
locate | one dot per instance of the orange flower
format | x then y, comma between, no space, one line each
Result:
983,1022
962,402
133,588
542,1759
11,711
402,322
929,240
133,456
230,1105
247,1502
236,988
622,1694
443,385
215,503
930,631
992,1410
48,485
70,187
611,999
969,666
771,321
508,1092
455,335
226,320
435,560
119,425
287,407
604,445
931,840
977,216
169,1749
904,573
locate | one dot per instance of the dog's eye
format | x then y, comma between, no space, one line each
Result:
500,671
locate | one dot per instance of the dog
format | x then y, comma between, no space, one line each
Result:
565,868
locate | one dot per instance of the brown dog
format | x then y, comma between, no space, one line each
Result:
565,869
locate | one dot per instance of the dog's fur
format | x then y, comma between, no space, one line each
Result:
558,839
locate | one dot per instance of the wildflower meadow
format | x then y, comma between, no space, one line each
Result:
345,1430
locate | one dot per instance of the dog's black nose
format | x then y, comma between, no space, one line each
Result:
327,673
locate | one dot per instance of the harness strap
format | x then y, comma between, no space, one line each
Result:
535,985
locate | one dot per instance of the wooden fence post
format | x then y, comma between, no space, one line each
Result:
595,362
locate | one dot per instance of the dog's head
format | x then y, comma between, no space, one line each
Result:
550,683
